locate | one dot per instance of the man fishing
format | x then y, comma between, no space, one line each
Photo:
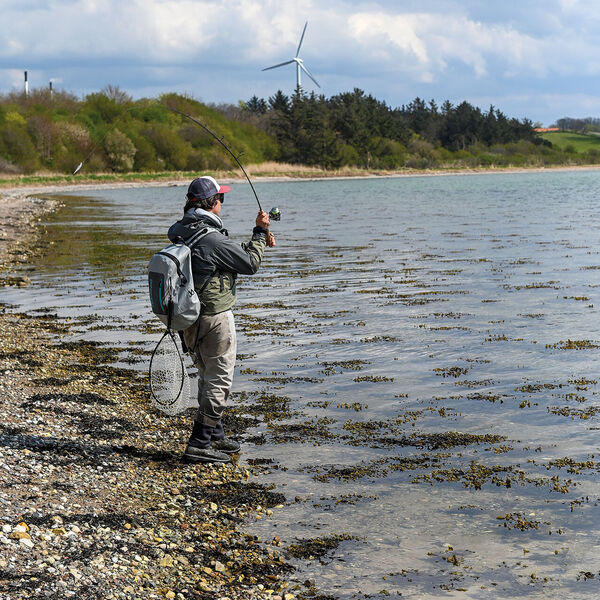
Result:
216,263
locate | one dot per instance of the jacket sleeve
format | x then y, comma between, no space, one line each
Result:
243,259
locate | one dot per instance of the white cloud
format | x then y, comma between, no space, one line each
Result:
387,48
432,41
421,44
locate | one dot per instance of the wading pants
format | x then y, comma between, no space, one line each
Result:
214,356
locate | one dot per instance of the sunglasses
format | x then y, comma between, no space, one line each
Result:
221,198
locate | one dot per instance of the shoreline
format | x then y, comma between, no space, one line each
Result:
95,501
9,190
20,216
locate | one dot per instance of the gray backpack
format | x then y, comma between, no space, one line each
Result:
171,284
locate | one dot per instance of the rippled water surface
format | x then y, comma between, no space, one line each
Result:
418,370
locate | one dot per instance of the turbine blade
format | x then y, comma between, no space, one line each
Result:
308,73
289,62
301,38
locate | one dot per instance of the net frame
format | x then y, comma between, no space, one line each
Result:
168,377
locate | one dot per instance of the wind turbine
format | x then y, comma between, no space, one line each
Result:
299,64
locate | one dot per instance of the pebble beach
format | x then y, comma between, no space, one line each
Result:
95,501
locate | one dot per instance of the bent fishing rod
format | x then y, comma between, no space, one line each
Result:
220,140
274,213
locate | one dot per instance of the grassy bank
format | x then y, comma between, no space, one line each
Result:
571,141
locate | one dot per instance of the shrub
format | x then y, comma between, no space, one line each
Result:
145,156
486,160
8,167
347,155
17,147
593,155
74,136
119,150
15,118
171,150
389,154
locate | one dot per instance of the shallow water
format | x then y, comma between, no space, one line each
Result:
430,346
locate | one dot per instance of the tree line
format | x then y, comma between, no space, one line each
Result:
354,128
589,124
53,132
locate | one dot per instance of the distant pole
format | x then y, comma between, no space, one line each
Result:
26,85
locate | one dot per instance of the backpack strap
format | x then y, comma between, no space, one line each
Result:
199,292
196,237
190,243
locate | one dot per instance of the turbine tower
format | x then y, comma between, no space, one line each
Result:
299,65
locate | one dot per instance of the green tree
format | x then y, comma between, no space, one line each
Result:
171,151
120,151
256,106
279,102
18,148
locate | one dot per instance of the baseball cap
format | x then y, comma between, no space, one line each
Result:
205,187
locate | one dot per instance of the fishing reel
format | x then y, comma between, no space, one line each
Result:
275,214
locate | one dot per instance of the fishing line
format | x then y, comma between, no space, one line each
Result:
274,213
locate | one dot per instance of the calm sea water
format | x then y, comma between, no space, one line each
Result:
435,343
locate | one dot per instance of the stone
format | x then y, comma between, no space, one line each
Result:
166,561
219,567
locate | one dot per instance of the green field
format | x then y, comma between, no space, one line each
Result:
581,142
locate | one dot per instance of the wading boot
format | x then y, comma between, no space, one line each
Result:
219,441
199,448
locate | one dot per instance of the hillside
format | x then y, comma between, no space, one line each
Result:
113,134
571,141
110,132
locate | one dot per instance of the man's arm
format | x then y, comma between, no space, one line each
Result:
245,258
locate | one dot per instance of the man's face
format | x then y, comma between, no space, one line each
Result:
216,209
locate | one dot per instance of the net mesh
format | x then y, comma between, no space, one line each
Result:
169,381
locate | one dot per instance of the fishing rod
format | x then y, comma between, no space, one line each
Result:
220,140
274,213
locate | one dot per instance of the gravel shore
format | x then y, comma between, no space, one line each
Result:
95,502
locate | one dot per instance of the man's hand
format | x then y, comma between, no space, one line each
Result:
270,240
263,220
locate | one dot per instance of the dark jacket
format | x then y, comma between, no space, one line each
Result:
217,260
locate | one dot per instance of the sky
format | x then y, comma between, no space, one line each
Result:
531,58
